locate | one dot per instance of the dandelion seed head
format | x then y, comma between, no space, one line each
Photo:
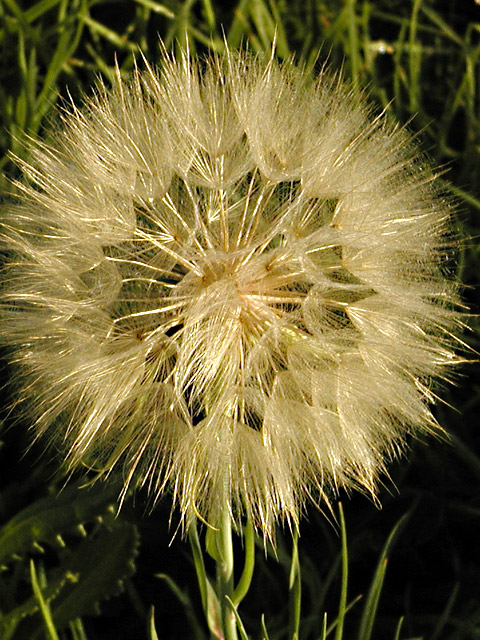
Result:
227,279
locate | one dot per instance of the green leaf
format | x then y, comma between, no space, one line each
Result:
108,34
10,621
295,589
239,26
185,600
199,564
265,635
94,571
343,589
211,605
373,597
243,585
151,625
70,34
349,606
77,630
211,544
398,629
214,611
43,604
88,573
31,14
324,628
445,616
238,620
156,7
48,518
102,564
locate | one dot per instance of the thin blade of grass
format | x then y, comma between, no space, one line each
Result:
151,625
265,635
342,607
44,608
295,591
398,629
443,618
238,620
156,7
373,597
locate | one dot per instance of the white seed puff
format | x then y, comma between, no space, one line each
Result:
226,278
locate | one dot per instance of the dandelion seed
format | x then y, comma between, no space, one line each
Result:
227,278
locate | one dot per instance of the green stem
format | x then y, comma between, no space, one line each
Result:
342,609
295,588
199,565
50,630
225,575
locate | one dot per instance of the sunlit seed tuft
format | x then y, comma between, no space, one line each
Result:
227,279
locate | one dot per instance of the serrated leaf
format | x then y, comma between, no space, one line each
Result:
102,564
52,516
93,572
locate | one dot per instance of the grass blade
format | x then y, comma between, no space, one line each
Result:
373,597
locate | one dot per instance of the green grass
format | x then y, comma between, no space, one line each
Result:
420,61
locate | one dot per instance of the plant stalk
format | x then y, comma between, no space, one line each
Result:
225,583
